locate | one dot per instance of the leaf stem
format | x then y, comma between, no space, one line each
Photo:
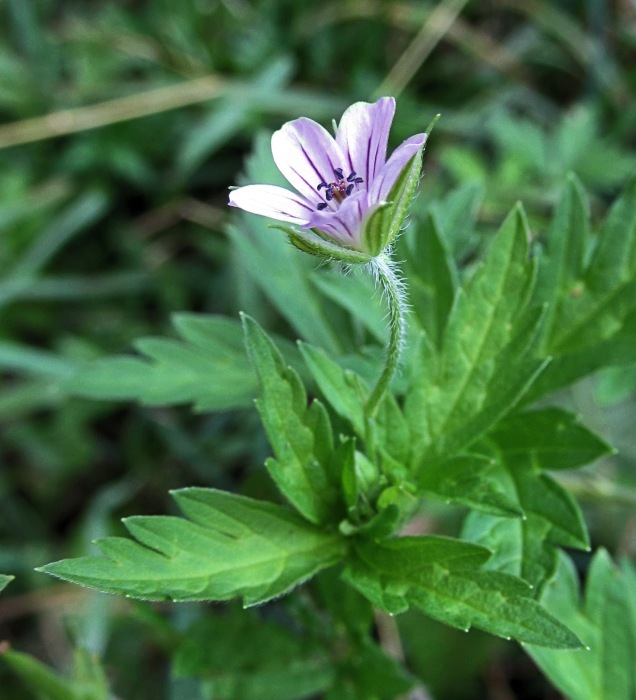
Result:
383,269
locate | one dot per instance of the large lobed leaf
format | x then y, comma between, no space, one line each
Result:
440,576
241,655
206,367
592,319
487,359
606,622
230,546
522,447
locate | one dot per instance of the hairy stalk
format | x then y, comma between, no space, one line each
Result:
383,270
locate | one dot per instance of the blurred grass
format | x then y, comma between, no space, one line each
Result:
121,127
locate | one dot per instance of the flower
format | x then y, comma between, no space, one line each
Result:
343,184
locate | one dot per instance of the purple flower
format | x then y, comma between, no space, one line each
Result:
340,182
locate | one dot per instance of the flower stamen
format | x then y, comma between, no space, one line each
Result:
338,189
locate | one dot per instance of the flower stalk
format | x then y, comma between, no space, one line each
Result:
383,269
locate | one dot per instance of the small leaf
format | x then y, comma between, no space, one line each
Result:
231,546
302,465
5,581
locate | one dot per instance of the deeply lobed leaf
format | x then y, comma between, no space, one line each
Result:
442,580
301,437
231,546
605,621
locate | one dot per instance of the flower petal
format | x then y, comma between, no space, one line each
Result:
270,200
363,134
389,173
307,155
344,224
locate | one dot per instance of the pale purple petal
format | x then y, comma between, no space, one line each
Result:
306,154
389,173
363,134
344,224
272,201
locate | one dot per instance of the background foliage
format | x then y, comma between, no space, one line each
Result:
122,126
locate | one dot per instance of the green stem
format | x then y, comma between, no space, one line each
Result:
383,269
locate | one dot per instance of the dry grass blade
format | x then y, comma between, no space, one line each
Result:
431,33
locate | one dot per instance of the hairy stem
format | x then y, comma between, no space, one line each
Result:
382,268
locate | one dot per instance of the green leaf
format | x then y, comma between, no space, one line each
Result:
5,581
593,322
432,277
553,437
88,682
487,359
347,394
231,546
301,437
552,518
237,655
342,388
207,367
440,578
606,622
456,214
563,257
368,672
472,480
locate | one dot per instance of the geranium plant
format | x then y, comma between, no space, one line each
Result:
356,448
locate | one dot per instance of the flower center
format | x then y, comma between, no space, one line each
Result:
338,189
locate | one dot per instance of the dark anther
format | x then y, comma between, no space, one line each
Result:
341,188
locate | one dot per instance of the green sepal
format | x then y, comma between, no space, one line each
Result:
310,242
385,222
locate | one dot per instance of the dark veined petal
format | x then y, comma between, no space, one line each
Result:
389,173
272,201
306,154
344,224
363,134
